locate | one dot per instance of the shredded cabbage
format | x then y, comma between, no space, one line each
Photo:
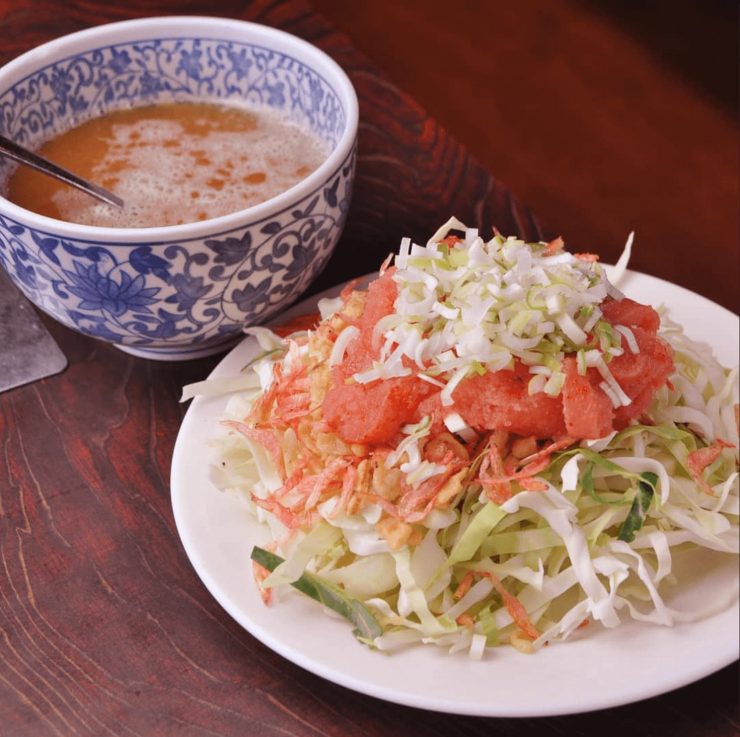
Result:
590,537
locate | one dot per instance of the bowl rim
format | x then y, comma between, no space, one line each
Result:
53,51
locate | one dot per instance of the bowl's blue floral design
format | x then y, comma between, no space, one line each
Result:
161,70
183,293
174,297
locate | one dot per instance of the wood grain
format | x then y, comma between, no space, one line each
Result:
602,116
104,627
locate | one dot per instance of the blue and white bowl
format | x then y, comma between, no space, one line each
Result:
181,291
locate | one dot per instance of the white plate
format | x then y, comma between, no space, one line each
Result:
600,668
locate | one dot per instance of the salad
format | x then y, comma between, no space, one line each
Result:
490,444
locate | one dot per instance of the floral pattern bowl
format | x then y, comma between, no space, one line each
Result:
181,291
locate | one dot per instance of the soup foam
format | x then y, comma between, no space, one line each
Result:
171,164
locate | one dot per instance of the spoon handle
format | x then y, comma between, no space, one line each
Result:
22,155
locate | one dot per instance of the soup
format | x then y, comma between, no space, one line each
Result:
171,164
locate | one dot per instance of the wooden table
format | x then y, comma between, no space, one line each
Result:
105,628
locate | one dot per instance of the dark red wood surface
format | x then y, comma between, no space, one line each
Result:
104,627
604,116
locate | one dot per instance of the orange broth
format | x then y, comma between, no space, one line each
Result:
171,164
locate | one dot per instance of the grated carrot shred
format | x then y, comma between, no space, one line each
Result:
465,620
260,573
698,460
554,247
514,607
464,586
530,484
426,493
288,518
265,437
348,486
497,486
322,481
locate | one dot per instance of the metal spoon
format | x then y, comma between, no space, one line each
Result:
22,155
